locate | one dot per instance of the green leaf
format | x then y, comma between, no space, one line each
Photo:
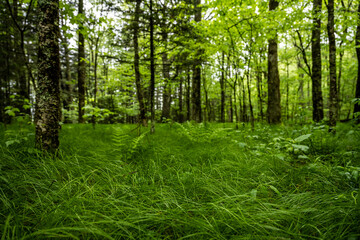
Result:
275,190
10,113
303,148
10,142
302,138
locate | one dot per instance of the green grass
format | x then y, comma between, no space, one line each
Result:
187,181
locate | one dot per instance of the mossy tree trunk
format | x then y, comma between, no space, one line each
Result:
317,99
333,98
48,90
274,107
357,92
81,65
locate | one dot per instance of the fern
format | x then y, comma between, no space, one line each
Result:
125,144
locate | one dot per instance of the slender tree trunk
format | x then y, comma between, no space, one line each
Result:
258,85
139,90
301,86
181,113
357,91
188,115
167,90
205,113
152,68
81,66
48,90
197,71
240,104
252,120
95,70
235,104
317,99
333,97
228,75
274,106
244,111
339,85
287,109
222,89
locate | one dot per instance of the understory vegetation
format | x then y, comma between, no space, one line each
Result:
186,181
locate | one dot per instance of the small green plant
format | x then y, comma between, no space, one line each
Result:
295,146
126,144
22,133
95,114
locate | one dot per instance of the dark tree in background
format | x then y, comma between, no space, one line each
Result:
48,89
333,98
357,43
274,107
139,89
196,84
152,68
81,65
318,112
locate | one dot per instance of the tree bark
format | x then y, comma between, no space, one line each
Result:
357,43
333,97
317,99
48,90
139,90
259,90
252,119
274,100
181,113
81,66
188,107
222,89
196,94
167,89
152,69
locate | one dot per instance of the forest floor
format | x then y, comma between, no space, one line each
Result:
189,181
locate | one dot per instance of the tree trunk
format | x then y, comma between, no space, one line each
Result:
274,106
206,109
196,95
244,109
222,89
48,90
167,88
139,90
181,114
152,69
188,109
317,99
95,70
252,120
258,86
333,106
81,66
228,75
357,92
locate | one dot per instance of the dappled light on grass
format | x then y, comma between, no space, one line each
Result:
206,181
